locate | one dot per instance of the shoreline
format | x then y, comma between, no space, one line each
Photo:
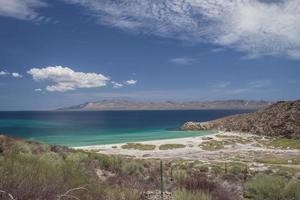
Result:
154,142
220,146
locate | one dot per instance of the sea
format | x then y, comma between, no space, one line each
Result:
104,127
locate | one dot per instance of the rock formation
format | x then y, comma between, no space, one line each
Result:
278,119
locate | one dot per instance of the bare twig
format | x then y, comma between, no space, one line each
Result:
67,193
8,194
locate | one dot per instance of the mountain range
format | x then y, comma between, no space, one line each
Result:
167,105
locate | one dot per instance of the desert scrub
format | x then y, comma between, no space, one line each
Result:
133,167
285,143
179,175
139,146
189,195
108,162
212,145
120,193
268,187
279,160
171,146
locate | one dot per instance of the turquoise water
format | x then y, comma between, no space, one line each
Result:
106,127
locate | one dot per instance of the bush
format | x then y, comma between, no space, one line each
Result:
179,175
188,195
269,187
171,146
133,168
139,146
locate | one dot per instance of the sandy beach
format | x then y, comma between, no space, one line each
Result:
218,147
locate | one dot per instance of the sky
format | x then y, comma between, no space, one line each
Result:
65,52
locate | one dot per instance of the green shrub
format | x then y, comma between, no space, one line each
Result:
188,195
212,145
171,146
292,190
139,146
285,143
237,168
267,187
119,193
21,147
179,175
133,168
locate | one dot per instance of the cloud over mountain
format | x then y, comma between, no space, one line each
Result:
65,79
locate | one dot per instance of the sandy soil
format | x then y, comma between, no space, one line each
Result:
247,147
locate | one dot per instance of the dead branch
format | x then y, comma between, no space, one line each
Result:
67,193
8,194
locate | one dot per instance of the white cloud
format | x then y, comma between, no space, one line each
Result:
256,27
131,82
65,79
16,75
217,50
4,73
117,85
223,84
38,90
259,84
22,9
182,60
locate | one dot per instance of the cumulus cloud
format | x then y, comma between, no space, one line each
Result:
4,73
131,82
16,75
256,27
38,90
182,60
117,85
65,79
22,9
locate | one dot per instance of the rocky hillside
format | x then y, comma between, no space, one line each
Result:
278,119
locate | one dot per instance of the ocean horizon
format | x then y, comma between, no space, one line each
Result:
104,127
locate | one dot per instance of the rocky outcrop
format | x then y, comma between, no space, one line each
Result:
279,119
193,126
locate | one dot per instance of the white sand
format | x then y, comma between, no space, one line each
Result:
192,149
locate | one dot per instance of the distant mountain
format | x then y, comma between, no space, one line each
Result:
279,119
168,105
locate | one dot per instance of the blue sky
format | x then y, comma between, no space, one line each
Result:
64,52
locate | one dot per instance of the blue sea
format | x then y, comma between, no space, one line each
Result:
104,127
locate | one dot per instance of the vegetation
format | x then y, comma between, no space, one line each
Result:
171,146
212,145
285,143
189,195
139,146
272,188
225,140
31,170
279,160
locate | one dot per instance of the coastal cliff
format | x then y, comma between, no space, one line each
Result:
279,119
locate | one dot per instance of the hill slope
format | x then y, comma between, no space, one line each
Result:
278,119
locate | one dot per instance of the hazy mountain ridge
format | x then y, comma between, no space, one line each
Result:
167,105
